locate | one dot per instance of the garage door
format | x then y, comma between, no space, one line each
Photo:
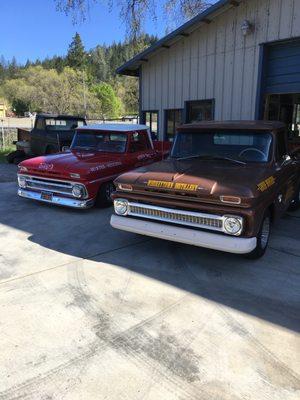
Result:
282,69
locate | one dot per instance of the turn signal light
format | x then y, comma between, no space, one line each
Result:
230,199
125,187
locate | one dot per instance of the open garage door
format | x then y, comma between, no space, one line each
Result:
281,84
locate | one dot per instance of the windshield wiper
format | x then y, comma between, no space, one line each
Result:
207,157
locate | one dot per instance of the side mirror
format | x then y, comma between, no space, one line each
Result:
65,149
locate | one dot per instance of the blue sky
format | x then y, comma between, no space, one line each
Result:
34,29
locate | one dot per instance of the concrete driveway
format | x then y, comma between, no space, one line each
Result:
87,312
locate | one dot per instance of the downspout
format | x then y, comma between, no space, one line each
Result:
141,116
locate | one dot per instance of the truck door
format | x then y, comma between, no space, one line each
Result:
140,149
37,136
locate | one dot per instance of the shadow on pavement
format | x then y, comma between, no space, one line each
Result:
267,288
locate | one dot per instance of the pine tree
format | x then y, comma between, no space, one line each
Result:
76,56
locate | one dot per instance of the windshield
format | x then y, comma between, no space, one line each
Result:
239,146
109,142
63,124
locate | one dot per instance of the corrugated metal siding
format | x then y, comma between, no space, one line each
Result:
283,68
216,61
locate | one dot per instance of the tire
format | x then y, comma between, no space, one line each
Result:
15,155
262,238
103,198
295,203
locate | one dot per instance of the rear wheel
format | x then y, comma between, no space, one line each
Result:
295,203
262,238
104,195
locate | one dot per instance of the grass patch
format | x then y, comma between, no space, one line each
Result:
3,153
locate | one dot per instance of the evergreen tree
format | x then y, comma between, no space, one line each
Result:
76,56
13,68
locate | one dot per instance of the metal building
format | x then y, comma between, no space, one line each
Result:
240,59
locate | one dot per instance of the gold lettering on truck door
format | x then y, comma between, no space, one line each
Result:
266,184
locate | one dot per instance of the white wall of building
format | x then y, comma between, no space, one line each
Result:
217,62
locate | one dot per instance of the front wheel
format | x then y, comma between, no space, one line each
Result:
295,203
262,238
15,157
104,195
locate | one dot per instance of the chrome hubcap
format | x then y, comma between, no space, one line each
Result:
109,190
265,232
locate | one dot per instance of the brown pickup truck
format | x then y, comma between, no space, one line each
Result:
221,188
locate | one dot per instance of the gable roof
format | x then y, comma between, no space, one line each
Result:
131,67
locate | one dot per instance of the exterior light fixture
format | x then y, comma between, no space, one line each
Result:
246,27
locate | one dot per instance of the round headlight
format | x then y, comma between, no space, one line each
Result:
78,191
22,181
232,225
121,206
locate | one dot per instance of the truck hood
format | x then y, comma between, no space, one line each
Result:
201,178
79,162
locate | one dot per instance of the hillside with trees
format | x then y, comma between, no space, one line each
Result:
82,82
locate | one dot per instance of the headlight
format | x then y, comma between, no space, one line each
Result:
121,206
22,181
78,191
233,225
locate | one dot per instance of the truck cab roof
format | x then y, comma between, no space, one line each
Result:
240,125
58,116
114,127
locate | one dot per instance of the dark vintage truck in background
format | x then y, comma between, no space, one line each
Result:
223,185
51,132
83,176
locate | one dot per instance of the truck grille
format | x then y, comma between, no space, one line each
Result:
200,220
54,186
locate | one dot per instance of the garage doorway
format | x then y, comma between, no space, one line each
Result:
280,84
284,108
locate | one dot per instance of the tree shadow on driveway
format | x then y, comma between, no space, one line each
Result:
267,288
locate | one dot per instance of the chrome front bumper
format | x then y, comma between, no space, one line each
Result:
57,200
215,241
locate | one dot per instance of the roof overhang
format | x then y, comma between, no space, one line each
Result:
132,67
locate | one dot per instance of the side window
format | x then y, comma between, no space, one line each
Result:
281,145
40,123
139,142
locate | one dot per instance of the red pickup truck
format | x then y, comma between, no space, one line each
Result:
83,175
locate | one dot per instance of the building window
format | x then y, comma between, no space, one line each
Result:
151,120
200,110
173,119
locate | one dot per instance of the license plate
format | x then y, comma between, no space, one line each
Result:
46,196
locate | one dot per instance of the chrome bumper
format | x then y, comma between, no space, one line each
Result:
230,244
57,200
